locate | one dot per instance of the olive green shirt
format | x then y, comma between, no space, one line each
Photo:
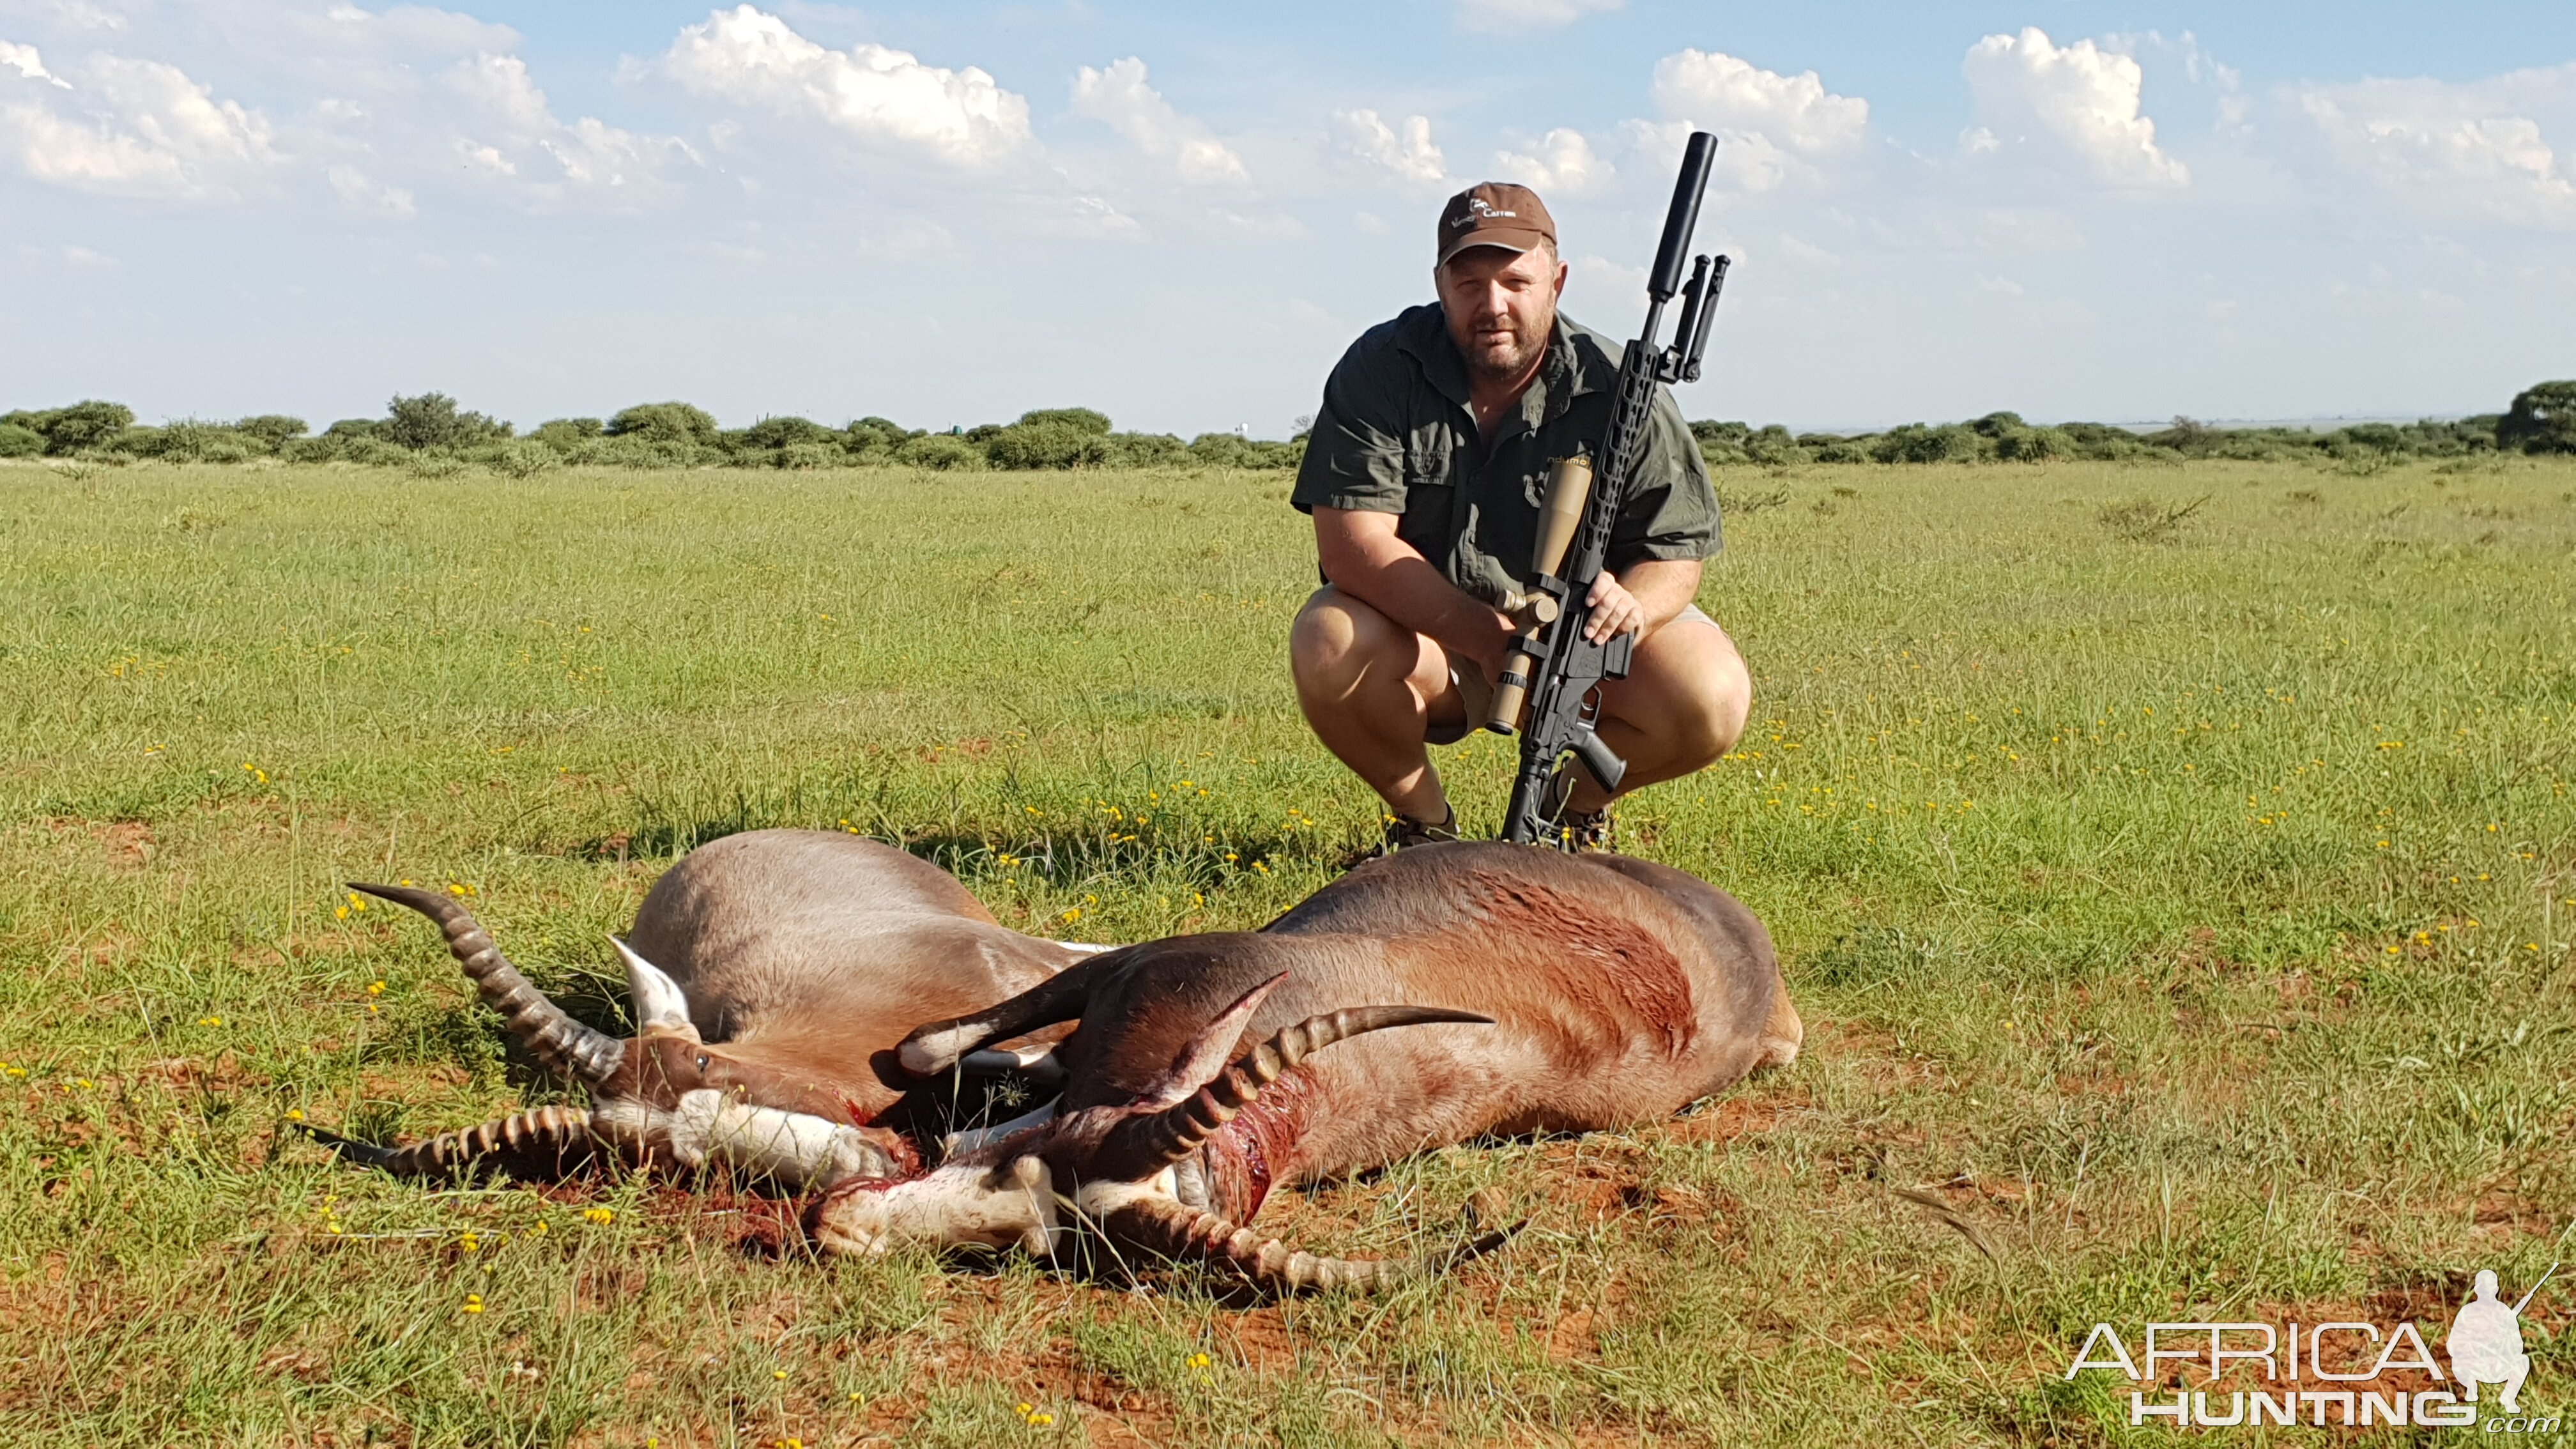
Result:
1397,435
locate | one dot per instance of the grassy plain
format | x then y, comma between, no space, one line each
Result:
2181,910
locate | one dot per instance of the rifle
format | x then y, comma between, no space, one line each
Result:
1553,668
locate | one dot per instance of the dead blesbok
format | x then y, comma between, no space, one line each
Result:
1540,992
771,975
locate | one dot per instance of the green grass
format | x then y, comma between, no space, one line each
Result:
2187,902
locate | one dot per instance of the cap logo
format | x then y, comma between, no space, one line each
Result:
1478,208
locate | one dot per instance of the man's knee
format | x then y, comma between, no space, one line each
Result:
1335,640
1729,702
1711,700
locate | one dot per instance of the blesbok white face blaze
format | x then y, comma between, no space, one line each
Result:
698,1125
960,1204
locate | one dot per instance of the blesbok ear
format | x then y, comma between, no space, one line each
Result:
660,1004
1208,1052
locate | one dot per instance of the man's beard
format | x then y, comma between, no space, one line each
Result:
1508,366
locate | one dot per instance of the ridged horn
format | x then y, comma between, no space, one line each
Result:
547,1030
1142,1146
1179,1233
544,1143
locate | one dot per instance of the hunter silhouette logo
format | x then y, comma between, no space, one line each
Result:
2331,1374
2485,1343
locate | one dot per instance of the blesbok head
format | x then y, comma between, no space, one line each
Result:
664,1093
1113,1171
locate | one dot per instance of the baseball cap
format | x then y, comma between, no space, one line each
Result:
1494,214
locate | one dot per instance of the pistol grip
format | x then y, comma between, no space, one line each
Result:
1604,763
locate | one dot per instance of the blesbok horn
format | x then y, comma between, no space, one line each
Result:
1142,1146
1182,1234
549,1032
539,1143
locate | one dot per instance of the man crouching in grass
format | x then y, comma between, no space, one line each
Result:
1424,474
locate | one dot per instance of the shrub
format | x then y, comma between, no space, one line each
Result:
1722,443
1080,420
2035,445
2542,420
1915,443
191,441
941,451
812,455
135,442
1146,450
2188,435
669,422
637,450
2101,442
567,435
785,432
1232,450
1774,447
373,451
68,430
324,449
522,458
874,436
432,420
1841,450
20,441
1046,445
271,431
352,428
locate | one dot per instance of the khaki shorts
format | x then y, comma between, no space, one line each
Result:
1478,691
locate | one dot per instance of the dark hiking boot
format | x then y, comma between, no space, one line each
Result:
1581,830
1404,830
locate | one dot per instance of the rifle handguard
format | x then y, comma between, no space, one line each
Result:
1560,513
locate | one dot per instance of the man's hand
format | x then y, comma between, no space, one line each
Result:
1615,611
1363,557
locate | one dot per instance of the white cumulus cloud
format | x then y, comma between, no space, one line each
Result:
1510,16
132,127
2079,100
1723,94
363,192
1407,154
507,120
1562,161
26,61
2478,144
876,94
1120,97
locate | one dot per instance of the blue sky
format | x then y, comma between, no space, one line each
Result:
1180,214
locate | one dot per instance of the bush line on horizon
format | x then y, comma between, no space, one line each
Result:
432,429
